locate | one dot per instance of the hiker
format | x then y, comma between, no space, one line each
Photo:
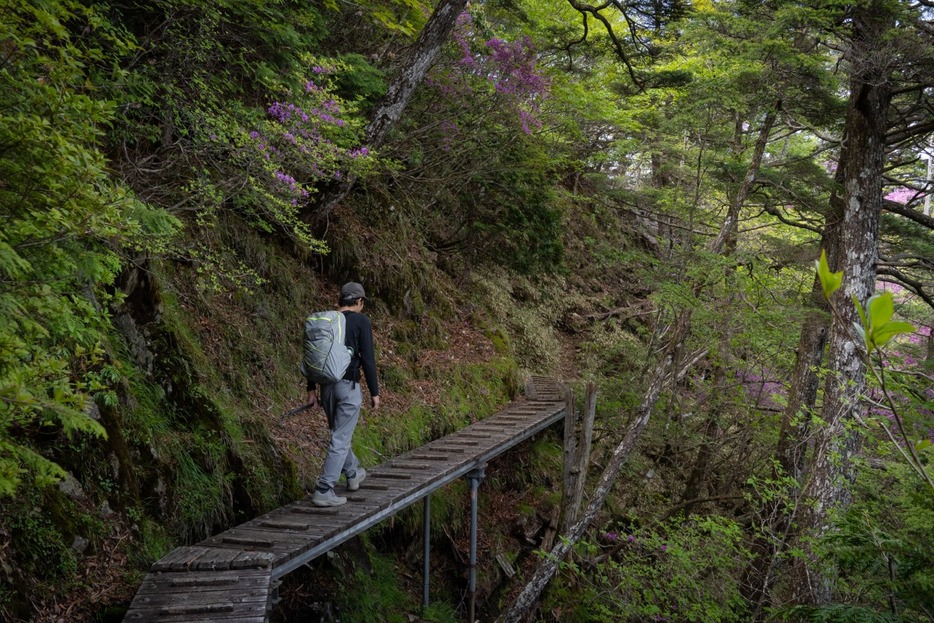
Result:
342,400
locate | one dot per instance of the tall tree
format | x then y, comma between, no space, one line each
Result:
874,50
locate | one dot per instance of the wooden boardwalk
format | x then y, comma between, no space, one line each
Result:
229,577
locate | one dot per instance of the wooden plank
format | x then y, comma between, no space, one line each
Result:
412,466
183,580
284,525
178,559
213,559
253,560
191,596
389,476
437,446
224,613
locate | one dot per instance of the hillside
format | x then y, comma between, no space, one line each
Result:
633,195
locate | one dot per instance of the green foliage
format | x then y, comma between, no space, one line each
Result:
528,310
42,544
440,612
830,282
469,392
883,546
683,570
65,219
877,325
383,600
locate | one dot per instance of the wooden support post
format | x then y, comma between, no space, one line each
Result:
578,437
570,472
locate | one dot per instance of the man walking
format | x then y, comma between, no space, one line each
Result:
342,400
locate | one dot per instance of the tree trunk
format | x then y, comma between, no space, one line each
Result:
835,441
578,435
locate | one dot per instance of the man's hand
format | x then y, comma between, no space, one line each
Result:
312,400
374,402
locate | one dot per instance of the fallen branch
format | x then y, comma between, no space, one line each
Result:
527,599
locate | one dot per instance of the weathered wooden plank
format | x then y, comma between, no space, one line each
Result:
412,466
389,476
178,559
213,559
202,596
253,560
225,613
186,580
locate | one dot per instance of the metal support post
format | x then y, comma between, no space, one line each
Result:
474,478
426,521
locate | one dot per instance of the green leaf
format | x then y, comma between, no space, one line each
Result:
880,308
830,282
886,332
922,444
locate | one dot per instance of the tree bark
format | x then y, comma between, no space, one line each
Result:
835,442
578,436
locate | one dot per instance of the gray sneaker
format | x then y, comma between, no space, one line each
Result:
328,499
354,483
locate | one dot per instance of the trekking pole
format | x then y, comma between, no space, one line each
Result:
296,410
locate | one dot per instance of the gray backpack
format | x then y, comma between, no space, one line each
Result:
326,357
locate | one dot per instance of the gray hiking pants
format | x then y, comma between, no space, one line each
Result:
341,402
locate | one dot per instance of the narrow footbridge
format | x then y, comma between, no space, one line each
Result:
232,577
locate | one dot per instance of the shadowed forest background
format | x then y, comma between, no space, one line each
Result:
634,195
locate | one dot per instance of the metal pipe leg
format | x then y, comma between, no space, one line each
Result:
426,521
474,477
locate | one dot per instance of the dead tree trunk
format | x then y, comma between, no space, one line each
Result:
578,435
658,378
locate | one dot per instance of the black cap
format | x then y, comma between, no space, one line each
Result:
352,290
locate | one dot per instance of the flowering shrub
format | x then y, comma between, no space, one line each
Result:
309,137
508,67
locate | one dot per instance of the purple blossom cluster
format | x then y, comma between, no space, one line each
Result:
284,113
509,66
299,140
902,195
515,68
762,388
